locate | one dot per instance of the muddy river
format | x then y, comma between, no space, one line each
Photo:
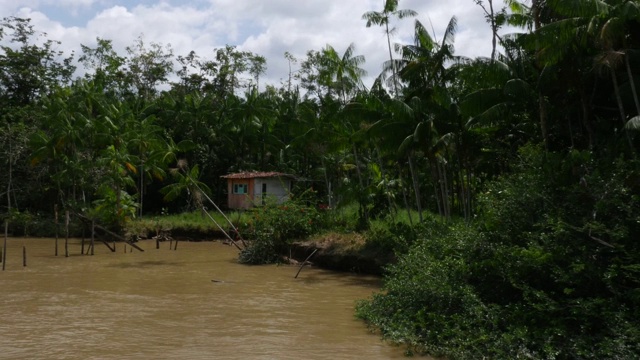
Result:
163,304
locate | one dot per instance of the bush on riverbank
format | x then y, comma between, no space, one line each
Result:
273,227
550,270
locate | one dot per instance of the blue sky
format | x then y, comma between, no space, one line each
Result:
265,27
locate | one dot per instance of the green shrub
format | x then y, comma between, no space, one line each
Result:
427,303
273,227
550,269
390,237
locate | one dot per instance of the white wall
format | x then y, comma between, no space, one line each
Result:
276,187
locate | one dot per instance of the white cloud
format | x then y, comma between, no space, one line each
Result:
268,28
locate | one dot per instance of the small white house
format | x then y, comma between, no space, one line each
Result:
248,189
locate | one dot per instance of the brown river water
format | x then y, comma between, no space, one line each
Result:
163,304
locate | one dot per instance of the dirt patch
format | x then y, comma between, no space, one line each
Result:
342,252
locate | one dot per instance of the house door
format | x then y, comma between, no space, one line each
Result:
264,193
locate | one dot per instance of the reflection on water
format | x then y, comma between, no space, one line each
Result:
165,304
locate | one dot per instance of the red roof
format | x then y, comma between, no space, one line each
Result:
256,174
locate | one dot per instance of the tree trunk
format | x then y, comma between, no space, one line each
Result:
363,201
469,198
616,90
404,196
416,187
494,31
542,110
393,64
543,120
623,116
632,83
586,116
392,208
327,184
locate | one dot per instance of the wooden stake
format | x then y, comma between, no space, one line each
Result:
66,237
305,262
95,226
93,232
82,248
55,210
24,255
4,246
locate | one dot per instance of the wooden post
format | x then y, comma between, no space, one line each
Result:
4,246
176,246
66,237
93,232
55,210
24,255
82,244
157,242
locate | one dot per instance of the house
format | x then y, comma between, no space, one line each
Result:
248,189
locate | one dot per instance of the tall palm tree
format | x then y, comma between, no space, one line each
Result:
424,63
425,68
145,140
382,18
581,24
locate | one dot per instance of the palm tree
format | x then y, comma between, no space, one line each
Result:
584,23
382,18
495,20
342,73
187,180
424,68
424,63
145,140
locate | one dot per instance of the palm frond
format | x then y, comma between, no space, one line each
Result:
633,123
579,8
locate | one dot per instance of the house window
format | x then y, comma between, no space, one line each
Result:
240,189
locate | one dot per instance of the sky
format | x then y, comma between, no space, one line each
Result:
265,27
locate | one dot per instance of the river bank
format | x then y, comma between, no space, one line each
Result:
344,252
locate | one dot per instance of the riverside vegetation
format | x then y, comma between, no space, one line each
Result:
502,193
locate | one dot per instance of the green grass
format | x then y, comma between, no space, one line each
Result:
193,222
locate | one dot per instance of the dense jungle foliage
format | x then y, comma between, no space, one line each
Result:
519,172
